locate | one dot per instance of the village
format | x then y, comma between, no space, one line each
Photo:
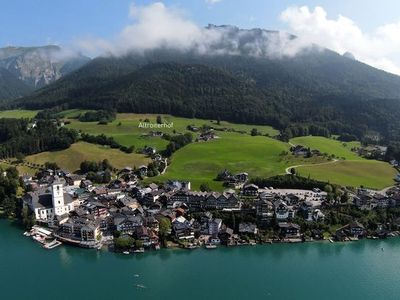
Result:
128,216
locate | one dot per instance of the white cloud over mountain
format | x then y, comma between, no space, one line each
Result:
157,25
380,48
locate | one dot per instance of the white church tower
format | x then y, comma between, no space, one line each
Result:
58,198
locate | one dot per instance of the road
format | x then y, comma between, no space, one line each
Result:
287,170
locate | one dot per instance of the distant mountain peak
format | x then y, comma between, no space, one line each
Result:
39,66
349,55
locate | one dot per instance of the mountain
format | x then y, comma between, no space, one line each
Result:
39,66
11,87
314,91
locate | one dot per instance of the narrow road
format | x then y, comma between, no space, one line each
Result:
287,170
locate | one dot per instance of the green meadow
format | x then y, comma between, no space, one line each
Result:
259,156
352,171
329,146
368,173
126,131
18,114
200,162
71,158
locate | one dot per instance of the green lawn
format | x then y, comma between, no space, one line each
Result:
258,156
22,169
369,173
330,146
18,113
71,158
125,129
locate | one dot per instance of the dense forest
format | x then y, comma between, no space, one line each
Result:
9,183
18,137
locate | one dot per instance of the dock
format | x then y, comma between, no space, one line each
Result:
53,244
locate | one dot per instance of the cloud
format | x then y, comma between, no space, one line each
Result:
379,48
211,2
158,26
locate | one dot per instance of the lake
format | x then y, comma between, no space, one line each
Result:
358,270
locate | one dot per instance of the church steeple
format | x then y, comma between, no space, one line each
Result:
58,196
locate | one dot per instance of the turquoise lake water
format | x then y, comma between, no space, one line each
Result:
358,270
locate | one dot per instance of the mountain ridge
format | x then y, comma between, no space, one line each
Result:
287,91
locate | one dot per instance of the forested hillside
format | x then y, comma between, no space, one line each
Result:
317,91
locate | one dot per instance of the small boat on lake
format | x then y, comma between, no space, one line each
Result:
126,252
211,246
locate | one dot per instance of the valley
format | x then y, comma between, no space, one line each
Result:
233,148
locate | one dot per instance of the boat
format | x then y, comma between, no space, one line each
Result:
140,286
126,252
190,247
136,275
211,246
331,240
253,243
141,250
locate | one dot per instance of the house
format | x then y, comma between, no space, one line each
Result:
300,150
149,151
352,230
226,236
247,228
264,211
282,211
182,229
214,227
127,224
74,179
250,190
82,229
90,232
289,230
192,128
206,136
142,170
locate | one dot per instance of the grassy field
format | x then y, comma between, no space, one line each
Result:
18,114
71,158
330,146
353,171
125,129
201,162
22,170
368,173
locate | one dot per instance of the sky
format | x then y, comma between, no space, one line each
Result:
368,29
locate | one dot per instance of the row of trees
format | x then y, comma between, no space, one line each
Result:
102,139
176,142
102,116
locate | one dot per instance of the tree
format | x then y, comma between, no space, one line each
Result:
204,187
124,243
51,165
293,171
159,120
328,188
164,227
254,132
9,205
138,244
20,157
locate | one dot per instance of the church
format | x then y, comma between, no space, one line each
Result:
50,203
